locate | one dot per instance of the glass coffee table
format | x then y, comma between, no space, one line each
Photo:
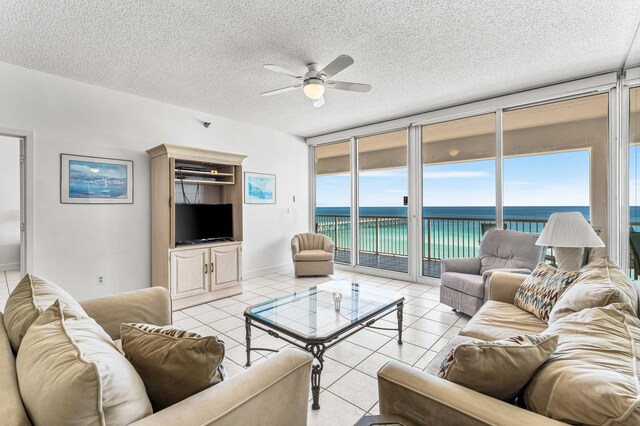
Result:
320,317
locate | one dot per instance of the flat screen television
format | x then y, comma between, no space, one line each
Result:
198,223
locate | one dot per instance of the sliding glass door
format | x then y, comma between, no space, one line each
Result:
555,160
383,180
508,168
458,188
634,183
333,196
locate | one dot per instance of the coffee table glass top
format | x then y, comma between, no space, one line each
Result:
324,310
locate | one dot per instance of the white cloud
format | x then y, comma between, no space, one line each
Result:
396,191
454,175
516,182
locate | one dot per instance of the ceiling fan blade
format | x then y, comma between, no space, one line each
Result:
350,87
338,64
283,90
318,102
281,70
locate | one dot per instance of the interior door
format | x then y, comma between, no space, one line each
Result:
189,272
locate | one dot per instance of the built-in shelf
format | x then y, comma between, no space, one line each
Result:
197,173
204,181
210,173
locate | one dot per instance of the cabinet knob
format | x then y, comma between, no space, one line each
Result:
212,267
205,268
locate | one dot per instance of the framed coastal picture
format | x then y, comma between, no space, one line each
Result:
93,180
259,188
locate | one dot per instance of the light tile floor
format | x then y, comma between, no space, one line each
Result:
349,384
8,281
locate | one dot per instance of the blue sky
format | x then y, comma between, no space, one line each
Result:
560,179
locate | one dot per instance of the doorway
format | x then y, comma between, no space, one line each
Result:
12,213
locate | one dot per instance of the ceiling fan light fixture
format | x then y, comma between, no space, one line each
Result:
313,88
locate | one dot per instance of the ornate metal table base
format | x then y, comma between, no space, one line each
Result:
317,350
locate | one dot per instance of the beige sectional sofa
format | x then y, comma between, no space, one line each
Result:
275,391
590,379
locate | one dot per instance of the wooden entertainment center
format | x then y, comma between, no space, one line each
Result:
200,271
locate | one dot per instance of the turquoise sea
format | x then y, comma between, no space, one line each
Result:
447,231
484,212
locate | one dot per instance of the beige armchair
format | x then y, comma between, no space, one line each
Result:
464,280
312,254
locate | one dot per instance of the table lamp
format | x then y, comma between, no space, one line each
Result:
569,234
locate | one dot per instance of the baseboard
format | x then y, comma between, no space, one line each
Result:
9,266
246,275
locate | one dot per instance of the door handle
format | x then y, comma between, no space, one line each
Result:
205,268
212,267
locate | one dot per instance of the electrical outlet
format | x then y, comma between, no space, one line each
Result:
101,280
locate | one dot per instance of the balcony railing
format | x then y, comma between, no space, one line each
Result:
443,237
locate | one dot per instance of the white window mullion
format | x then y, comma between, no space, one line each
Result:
499,173
355,214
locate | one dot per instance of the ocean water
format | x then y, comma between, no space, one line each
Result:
448,231
482,212
97,190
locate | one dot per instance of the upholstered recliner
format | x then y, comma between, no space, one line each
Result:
312,254
464,280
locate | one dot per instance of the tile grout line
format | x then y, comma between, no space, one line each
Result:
273,287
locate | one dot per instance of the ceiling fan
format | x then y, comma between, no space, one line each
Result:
314,81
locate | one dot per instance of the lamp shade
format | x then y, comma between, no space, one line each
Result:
568,230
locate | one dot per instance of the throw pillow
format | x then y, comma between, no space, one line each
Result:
601,283
542,289
70,373
28,300
500,368
593,376
173,363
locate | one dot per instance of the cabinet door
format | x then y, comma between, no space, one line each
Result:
189,272
226,265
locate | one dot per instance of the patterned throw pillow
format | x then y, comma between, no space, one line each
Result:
173,363
500,368
542,289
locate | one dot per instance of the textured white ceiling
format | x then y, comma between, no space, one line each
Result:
418,55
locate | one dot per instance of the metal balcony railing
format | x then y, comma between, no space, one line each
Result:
443,237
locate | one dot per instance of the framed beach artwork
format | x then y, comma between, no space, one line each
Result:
259,188
93,180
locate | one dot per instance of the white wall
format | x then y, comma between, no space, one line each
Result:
9,203
76,243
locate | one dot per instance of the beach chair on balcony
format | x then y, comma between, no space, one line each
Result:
464,280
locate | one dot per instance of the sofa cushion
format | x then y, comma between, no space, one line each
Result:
542,289
312,256
11,409
606,271
28,300
500,368
594,288
434,366
509,249
499,320
593,376
70,373
173,363
473,285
